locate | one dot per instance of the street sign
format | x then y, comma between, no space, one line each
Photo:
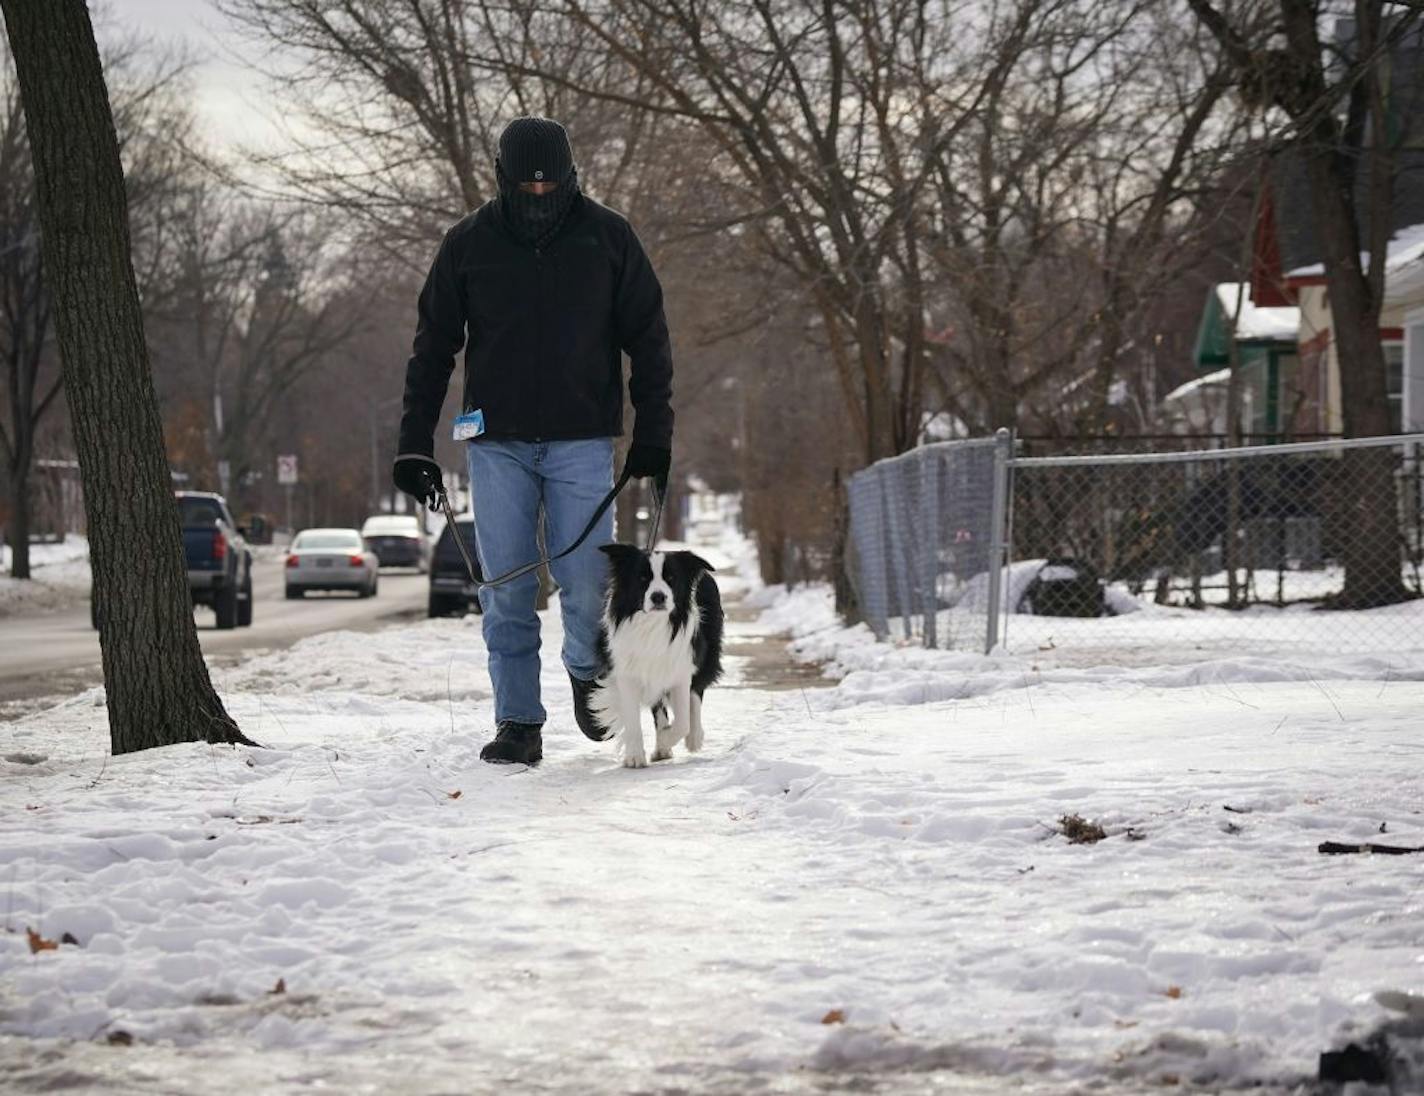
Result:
287,469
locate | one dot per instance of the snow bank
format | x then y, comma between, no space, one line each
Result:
60,577
838,899
1147,651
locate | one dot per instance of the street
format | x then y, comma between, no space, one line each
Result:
46,655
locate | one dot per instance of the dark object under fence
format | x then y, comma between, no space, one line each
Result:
1066,587
1335,848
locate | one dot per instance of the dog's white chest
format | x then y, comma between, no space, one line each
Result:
644,650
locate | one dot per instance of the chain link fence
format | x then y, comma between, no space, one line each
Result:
922,534
1163,556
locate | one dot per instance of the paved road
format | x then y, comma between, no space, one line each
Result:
52,654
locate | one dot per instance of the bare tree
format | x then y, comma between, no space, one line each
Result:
1334,103
148,119
254,306
157,683
1065,211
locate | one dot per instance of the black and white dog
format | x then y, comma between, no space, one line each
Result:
662,646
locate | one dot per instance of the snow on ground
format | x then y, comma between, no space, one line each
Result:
845,891
1143,633
60,577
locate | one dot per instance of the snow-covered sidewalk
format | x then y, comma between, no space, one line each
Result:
846,888
59,578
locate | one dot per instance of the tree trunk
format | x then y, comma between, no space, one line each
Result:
1373,574
158,688
18,527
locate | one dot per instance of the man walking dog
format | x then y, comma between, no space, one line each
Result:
552,288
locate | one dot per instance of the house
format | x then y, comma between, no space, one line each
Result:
1302,397
1402,314
1266,349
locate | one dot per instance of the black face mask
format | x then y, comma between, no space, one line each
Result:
536,218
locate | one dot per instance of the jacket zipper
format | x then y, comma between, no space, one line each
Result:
539,344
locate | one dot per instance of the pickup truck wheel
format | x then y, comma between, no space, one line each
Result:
439,606
295,593
225,606
244,603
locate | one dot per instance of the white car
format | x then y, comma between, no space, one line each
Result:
397,540
331,559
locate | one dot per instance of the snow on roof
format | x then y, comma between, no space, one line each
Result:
1257,323
1209,380
1405,246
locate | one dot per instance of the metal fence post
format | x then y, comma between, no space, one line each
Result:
1003,445
930,545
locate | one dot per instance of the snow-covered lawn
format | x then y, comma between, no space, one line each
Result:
849,882
60,577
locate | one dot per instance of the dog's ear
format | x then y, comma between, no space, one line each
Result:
697,563
618,553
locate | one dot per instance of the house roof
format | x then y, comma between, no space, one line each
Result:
1208,380
1406,246
1257,323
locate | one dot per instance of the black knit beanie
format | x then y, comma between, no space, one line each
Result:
536,150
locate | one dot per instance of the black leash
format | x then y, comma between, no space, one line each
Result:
659,493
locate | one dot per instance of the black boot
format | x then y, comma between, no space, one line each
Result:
515,744
588,722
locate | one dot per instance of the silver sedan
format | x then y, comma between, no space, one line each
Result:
331,559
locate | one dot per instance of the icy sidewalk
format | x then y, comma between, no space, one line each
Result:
830,896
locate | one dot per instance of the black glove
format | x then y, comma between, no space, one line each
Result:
648,460
420,478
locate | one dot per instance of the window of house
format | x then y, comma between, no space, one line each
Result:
1394,383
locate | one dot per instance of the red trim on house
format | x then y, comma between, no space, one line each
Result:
1396,334
1267,288
1303,280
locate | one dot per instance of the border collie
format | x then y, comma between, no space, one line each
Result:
662,646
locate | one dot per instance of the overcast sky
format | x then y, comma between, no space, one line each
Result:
230,100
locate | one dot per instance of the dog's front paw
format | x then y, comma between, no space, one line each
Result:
662,754
635,761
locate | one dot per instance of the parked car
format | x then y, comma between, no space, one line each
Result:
331,559
451,591
219,564
397,540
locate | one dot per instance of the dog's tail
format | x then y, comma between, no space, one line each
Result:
603,713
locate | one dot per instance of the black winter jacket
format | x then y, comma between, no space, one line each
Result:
547,329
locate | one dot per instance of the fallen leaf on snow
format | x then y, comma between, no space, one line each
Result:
38,943
280,987
835,1016
1080,831
1174,992
455,794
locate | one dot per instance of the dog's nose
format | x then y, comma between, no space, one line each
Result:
658,598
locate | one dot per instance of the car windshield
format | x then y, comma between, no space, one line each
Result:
327,540
197,511
391,527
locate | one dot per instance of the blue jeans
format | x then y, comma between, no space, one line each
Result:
509,482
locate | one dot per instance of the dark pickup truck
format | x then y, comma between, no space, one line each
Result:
219,564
